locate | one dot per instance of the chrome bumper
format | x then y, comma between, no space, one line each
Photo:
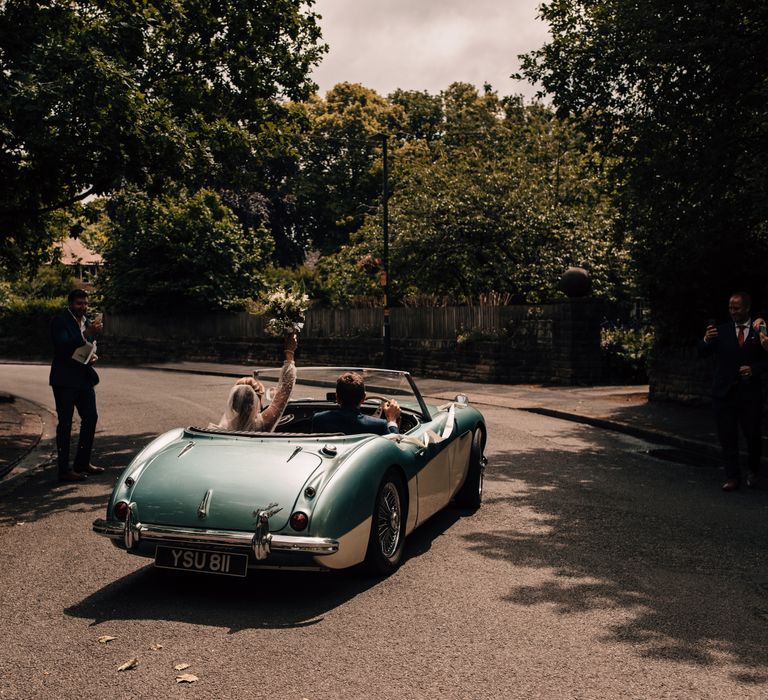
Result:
261,543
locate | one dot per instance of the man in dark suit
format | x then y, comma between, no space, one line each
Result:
348,418
72,383
737,396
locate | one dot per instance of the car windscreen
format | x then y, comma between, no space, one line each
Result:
319,383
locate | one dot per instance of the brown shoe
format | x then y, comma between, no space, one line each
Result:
731,485
89,469
72,476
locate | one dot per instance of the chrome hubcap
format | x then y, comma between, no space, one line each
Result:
388,520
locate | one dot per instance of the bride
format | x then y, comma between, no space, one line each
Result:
244,405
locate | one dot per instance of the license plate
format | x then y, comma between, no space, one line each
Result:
201,560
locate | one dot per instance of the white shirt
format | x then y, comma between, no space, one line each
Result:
80,322
747,325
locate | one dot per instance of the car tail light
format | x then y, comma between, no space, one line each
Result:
299,521
120,510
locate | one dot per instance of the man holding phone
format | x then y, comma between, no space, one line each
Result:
73,380
737,396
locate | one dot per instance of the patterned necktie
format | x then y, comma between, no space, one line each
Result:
741,336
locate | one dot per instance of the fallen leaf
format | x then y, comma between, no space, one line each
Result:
128,665
181,667
105,638
156,647
21,522
186,678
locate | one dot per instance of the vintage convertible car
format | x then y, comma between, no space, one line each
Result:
208,500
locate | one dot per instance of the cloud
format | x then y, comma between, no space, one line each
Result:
426,45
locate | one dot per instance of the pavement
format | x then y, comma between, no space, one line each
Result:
683,433
21,427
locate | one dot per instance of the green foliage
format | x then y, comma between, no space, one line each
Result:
52,281
340,177
625,354
465,336
507,200
25,325
303,277
677,94
424,119
98,95
6,296
182,253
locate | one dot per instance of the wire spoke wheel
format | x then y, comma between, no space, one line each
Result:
388,518
387,537
470,495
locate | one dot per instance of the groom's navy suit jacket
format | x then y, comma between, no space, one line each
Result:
66,337
729,357
350,421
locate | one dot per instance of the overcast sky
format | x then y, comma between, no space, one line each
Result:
427,44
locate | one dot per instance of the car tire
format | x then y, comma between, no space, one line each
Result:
387,538
470,495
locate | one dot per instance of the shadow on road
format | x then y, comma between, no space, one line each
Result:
262,600
681,565
39,495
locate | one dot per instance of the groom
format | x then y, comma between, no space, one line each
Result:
72,383
349,418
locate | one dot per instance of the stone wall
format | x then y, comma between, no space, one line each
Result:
678,374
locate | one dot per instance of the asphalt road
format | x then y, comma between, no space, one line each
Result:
591,571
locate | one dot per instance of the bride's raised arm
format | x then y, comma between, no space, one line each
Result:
271,415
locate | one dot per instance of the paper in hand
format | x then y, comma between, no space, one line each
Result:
85,353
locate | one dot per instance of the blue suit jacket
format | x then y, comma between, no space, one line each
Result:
350,421
729,357
66,337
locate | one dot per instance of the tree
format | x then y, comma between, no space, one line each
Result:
423,114
95,96
676,93
505,203
180,252
340,176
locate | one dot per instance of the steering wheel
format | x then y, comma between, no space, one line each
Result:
380,408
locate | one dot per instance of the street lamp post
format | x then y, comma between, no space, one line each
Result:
385,257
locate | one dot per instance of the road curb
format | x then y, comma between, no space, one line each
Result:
657,436
204,372
36,436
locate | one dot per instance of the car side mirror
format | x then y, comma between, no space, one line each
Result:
461,399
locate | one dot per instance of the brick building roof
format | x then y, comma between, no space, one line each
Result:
74,252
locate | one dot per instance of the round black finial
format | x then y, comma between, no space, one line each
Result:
575,282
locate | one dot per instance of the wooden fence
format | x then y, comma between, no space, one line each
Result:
444,323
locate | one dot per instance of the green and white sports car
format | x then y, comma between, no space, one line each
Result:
207,500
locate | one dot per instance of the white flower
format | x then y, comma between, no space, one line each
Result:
287,309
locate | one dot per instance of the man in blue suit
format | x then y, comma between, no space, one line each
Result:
72,383
737,396
348,418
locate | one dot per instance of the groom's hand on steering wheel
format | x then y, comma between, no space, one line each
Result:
391,411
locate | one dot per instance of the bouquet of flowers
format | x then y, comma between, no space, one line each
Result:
287,309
